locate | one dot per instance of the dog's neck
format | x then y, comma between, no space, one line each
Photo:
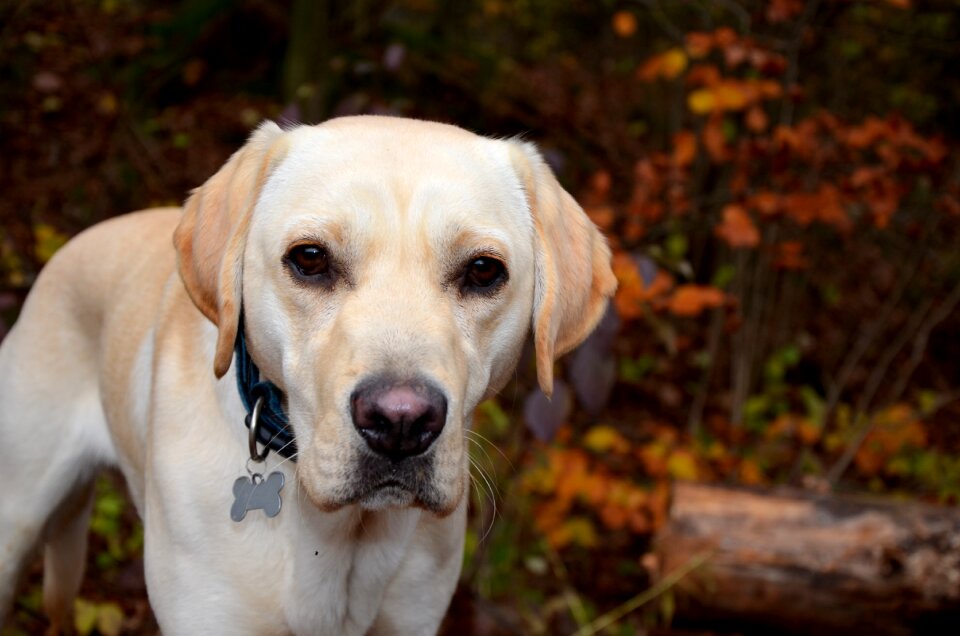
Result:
274,430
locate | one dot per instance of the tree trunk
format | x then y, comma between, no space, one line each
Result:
797,562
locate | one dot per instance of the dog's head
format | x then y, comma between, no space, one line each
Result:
389,271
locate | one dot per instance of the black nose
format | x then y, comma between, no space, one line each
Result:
398,419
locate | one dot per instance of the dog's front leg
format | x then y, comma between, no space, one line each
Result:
206,574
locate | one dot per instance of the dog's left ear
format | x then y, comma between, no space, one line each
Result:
574,280
212,234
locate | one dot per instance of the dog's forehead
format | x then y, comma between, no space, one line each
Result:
368,165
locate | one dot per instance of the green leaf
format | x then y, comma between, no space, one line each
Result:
635,370
493,418
723,276
676,245
814,405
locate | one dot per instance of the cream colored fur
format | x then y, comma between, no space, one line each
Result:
123,358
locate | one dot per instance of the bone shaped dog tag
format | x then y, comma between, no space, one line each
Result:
256,493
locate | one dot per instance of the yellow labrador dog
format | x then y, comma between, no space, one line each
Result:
360,286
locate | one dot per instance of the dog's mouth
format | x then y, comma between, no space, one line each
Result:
391,493
383,484
376,483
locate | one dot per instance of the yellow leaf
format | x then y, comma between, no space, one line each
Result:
576,530
104,618
701,101
674,63
47,241
107,104
682,465
84,616
603,438
109,619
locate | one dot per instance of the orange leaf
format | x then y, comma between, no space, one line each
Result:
632,294
698,45
737,228
703,75
624,23
765,202
750,472
783,10
731,96
714,140
725,36
684,148
894,429
691,300
667,65
757,120
790,256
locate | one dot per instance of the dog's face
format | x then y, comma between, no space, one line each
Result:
389,271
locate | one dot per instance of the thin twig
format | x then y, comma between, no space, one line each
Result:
738,349
675,33
570,595
695,418
742,15
606,620
793,60
913,327
920,346
866,339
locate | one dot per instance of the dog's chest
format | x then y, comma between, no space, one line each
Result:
343,568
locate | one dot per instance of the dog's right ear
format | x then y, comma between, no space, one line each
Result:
212,234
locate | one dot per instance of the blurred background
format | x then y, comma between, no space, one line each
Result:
763,436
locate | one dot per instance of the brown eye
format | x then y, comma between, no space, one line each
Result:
483,273
309,260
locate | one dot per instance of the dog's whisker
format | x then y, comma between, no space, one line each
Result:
495,447
291,457
479,467
490,488
482,447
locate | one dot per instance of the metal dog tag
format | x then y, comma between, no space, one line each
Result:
256,493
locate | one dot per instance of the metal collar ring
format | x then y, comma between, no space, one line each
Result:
253,423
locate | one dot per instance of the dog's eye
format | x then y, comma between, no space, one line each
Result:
309,260
483,273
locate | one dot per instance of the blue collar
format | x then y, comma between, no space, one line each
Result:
274,430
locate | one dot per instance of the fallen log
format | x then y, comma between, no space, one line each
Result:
798,562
